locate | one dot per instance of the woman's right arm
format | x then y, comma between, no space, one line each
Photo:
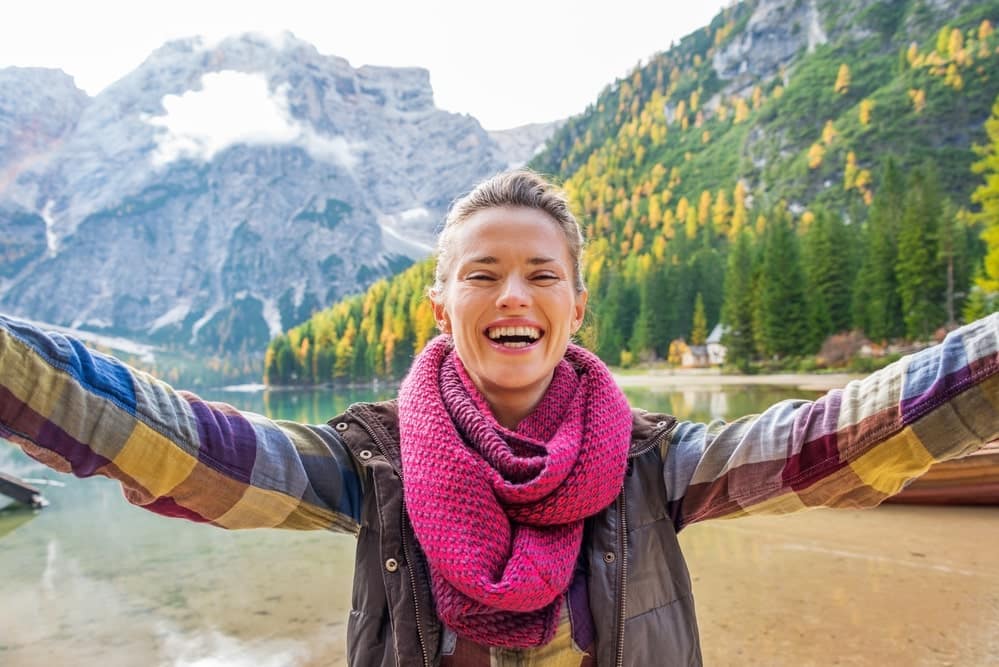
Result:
87,413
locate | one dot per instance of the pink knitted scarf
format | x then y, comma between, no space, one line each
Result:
499,513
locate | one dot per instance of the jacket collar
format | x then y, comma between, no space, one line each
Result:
381,422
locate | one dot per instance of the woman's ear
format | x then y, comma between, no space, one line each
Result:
579,310
440,315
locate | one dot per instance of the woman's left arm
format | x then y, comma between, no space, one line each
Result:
853,447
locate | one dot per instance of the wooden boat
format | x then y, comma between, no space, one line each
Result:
970,480
21,492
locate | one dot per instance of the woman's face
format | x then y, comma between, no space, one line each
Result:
509,301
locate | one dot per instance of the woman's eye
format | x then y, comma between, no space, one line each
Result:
545,277
478,276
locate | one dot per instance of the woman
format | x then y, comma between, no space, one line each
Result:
510,508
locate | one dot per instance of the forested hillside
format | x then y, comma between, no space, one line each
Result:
794,170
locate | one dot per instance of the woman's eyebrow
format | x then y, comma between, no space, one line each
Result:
489,259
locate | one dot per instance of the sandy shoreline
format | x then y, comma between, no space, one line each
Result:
706,379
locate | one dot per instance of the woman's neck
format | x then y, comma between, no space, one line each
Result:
511,406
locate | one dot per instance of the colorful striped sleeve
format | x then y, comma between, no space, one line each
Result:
83,412
852,447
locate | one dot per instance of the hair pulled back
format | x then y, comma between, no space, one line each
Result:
520,188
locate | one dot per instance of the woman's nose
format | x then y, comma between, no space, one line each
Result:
515,294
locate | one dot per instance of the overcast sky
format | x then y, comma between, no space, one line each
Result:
505,62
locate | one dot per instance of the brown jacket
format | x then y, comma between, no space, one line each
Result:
392,621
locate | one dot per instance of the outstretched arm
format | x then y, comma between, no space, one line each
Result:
87,413
853,447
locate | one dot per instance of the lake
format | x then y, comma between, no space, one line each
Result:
93,580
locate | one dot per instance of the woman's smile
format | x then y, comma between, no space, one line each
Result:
513,335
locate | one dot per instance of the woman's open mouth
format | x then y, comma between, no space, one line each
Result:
514,337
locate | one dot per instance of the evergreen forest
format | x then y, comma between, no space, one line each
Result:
854,188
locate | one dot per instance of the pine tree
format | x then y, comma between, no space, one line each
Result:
610,337
877,308
737,310
699,325
707,276
641,343
782,321
827,265
952,253
917,268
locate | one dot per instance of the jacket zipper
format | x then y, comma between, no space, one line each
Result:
622,524
405,545
412,583
623,576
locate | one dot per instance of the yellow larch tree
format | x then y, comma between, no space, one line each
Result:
815,155
690,223
850,171
655,212
985,30
863,184
741,111
669,221
953,77
704,208
842,84
955,44
681,209
864,111
681,111
721,213
828,133
807,218
761,225
659,249
943,40
739,213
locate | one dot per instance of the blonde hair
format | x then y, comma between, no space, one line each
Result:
521,188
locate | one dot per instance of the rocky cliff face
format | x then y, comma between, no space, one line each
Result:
221,192
778,32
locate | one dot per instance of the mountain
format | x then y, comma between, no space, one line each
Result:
836,136
222,192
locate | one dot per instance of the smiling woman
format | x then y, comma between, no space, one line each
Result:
509,507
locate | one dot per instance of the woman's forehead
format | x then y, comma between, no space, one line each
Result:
525,230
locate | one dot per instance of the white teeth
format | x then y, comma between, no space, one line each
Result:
531,332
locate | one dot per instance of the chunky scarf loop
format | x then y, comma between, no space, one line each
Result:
499,513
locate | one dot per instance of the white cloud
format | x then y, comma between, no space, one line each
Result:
237,108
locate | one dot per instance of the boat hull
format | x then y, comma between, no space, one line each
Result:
969,480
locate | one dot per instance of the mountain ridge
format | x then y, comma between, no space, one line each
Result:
139,212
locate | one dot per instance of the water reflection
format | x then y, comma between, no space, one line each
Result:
92,580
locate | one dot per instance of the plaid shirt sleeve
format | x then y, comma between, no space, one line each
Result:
83,412
852,447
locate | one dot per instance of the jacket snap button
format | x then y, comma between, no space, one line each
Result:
609,557
341,426
660,424
391,565
365,454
